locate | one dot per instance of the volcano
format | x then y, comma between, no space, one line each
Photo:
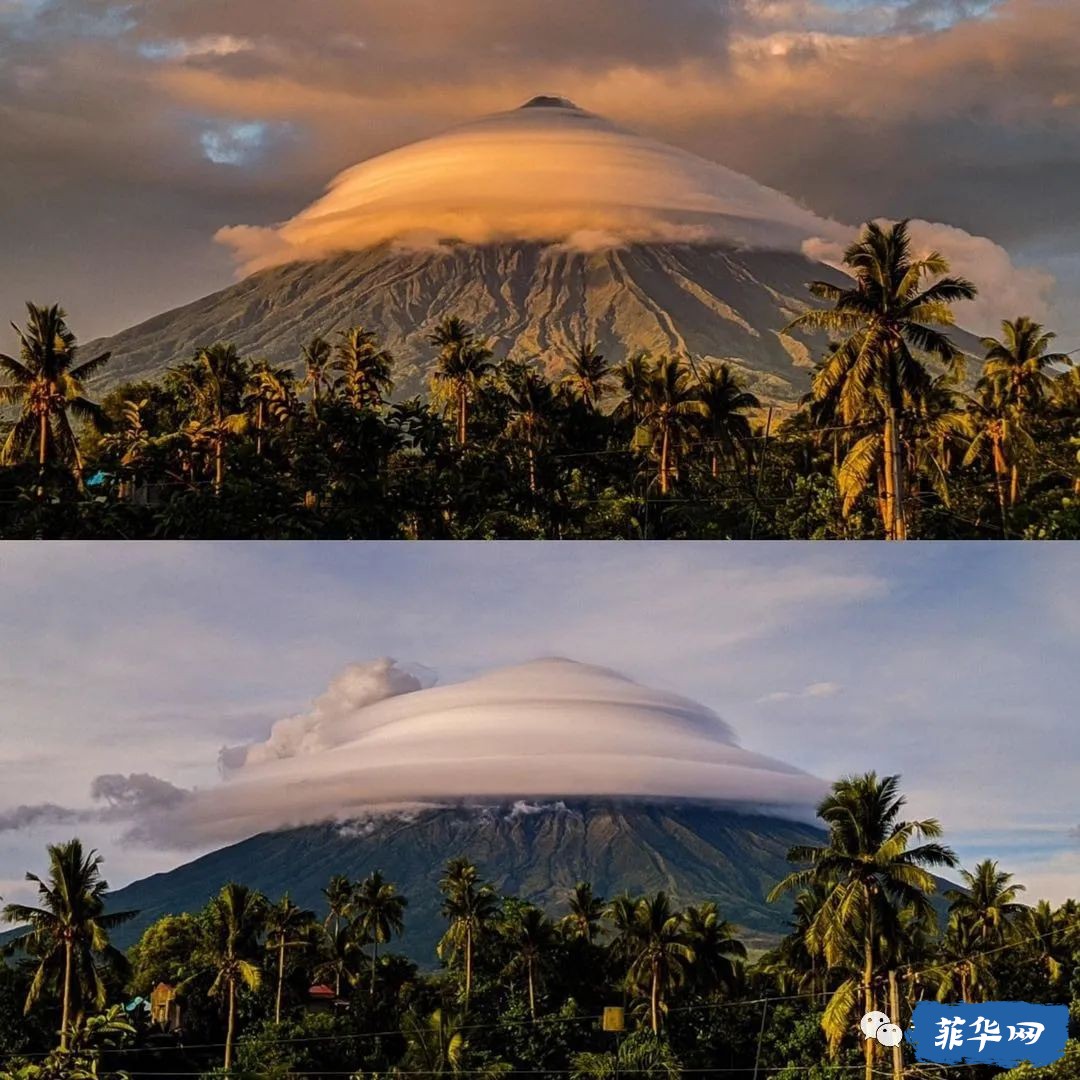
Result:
544,227
538,852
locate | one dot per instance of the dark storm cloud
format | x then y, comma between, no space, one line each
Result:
136,129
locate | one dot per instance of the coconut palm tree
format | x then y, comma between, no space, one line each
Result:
531,402
895,310
317,358
129,441
341,956
436,1045
380,913
723,423
1017,385
287,927
365,368
531,935
586,911
588,374
216,379
670,413
339,896
869,874
68,931
471,908
235,918
987,905
270,393
47,383
718,953
633,375
461,364
662,952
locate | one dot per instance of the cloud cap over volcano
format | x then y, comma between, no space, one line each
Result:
548,728
547,171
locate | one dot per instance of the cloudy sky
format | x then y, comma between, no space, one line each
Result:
132,132
953,665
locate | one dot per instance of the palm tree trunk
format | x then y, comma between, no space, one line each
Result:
654,1002
259,428
280,980
463,420
532,471
468,966
895,525
1014,486
43,443
532,990
868,987
374,961
665,450
894,1015
65,1016
219,463
230,1031
1000,471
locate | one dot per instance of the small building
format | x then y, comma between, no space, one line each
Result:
321,999
164,1008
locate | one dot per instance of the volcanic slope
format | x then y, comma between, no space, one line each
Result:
695,852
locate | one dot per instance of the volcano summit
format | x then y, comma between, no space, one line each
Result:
543,226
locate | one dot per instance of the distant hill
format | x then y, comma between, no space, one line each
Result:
695,852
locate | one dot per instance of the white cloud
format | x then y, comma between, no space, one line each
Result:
813,690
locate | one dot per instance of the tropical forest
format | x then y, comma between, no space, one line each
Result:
902,434
256,986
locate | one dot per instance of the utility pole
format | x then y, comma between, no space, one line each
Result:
894,1013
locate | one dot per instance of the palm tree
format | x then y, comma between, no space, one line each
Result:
1016,386
869,875
531,400
471,908
586,911
622,914
670,411
723,423
316,358
270,391
662,952
894,310
67,930
987,905
461,363
129,442
339,948
287,927
216,378
365,367
339,896
531,935
380,913
234,920
634,375
46,383
436,1045
588,374
717,950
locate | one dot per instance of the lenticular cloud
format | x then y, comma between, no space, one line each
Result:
547,172
546,729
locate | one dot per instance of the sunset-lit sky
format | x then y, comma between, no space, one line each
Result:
951,664
132,132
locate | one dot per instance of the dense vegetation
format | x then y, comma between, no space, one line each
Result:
896,439
517,991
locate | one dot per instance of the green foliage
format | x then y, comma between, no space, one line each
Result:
886,444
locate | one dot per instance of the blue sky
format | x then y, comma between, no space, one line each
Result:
954,665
